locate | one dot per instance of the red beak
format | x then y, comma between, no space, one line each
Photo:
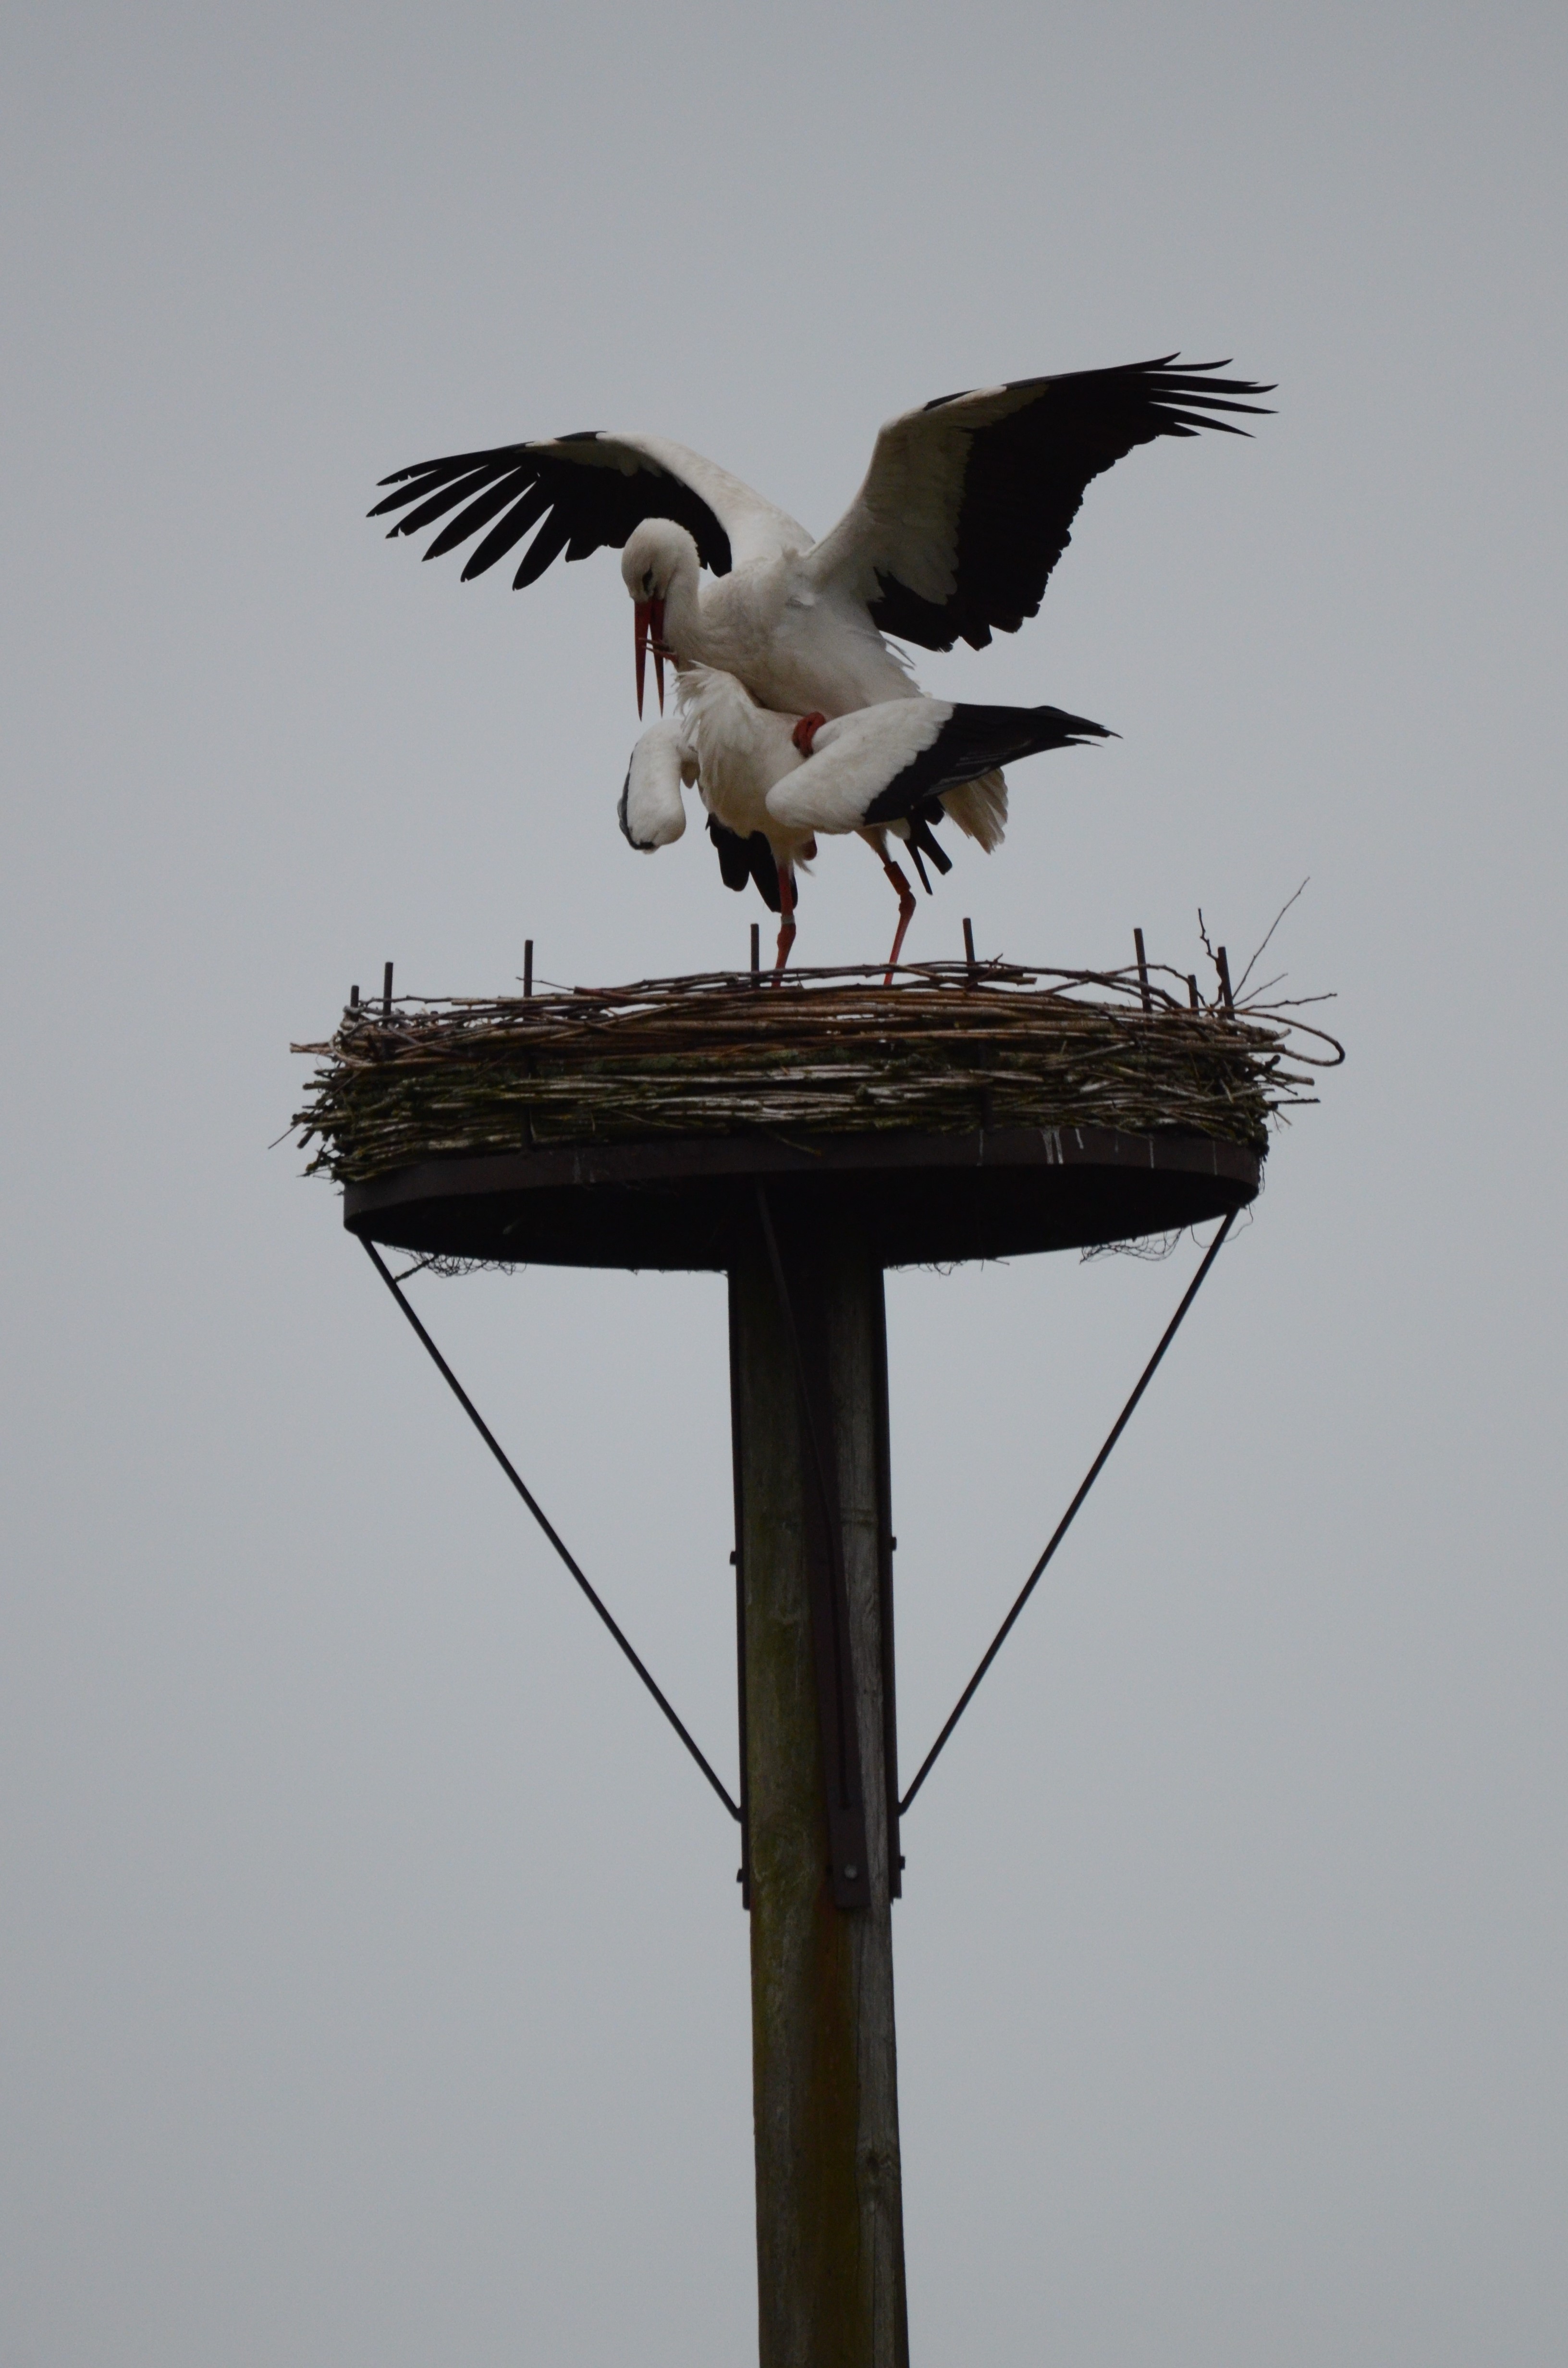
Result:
650,617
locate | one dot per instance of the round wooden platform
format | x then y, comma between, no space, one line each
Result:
681,1201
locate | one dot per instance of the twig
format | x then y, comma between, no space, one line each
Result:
1279,916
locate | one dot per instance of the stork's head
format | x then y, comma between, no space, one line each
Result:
655,553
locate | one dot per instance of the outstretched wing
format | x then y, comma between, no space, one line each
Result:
585,493
968,503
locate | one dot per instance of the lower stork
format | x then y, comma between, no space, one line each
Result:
771,782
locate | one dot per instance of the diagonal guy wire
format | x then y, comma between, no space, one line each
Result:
1065,1523
496,1450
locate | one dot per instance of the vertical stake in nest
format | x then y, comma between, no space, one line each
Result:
1223,964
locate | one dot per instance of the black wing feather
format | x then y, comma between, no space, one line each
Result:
1026,476
547,544
455,490
973,740
511,530
425,476
921,842
586,506
476,514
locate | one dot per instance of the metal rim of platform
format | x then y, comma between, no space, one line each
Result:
672,1202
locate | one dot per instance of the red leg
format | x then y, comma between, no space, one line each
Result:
786,916
805,732
906,914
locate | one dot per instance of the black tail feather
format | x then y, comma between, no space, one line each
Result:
974,741
922,841
743,859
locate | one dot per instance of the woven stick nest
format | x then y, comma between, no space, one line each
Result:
948,1047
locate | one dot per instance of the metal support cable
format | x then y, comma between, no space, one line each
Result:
1065,1523
536,1509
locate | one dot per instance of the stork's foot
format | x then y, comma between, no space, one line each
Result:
786,940
805,732
906,915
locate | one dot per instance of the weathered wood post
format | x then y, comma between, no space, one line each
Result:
809,1387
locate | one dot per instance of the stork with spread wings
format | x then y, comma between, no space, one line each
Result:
967,507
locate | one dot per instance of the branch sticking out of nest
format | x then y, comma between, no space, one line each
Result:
948,1048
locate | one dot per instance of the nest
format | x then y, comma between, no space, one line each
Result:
948,1048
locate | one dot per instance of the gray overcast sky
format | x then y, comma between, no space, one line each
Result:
375,1985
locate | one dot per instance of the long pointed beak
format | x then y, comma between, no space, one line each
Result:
650,625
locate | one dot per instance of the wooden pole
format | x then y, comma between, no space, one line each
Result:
809,1393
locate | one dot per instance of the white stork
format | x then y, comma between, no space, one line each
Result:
772,781
966,509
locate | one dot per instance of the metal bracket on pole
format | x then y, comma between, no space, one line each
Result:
886,1544
849,1872
737,1467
